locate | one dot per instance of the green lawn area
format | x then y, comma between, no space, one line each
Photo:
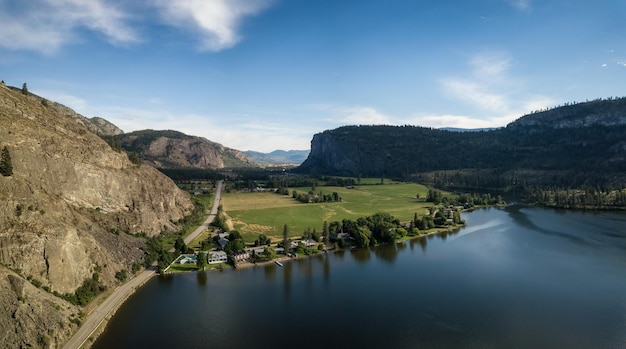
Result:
266,213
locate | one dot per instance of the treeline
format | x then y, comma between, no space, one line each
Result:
466,200
585,198
312,197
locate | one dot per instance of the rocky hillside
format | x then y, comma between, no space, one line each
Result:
569,146
173,149
97,125
69,208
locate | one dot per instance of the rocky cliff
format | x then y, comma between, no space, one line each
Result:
71,205
172,149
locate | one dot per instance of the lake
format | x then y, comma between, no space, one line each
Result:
515,277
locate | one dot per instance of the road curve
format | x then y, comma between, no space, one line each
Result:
97,316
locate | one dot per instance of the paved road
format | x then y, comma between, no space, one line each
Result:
216,204
96,317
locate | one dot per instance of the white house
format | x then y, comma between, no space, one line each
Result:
217,257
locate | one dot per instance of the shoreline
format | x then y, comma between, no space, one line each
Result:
95,323
147,274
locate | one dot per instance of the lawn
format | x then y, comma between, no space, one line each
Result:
266,213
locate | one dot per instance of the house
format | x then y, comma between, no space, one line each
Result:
258,250
309,242
187,259
222,242
217,257
242,256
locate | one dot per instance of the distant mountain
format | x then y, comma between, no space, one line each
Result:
175,150
279,157
567,146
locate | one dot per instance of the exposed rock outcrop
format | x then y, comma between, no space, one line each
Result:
173,149
72,205
31,317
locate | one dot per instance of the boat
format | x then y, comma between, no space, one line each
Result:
278,263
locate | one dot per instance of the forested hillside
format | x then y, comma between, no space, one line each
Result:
573,146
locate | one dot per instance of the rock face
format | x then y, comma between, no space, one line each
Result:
72,203
31,317
103,127
172,149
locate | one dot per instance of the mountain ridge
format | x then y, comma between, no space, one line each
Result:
171,149
278,157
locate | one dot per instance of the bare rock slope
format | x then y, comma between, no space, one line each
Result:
64,206
173,149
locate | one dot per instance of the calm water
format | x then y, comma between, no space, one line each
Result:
514,278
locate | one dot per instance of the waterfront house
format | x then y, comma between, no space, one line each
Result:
217,257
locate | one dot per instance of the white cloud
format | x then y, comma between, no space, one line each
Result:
46,25
491,66
216,21
522,5
476,94
363,116
76,103
459,121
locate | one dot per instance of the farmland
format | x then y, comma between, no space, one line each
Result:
254,213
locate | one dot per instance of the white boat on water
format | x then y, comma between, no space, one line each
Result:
278,263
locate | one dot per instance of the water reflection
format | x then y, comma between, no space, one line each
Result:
270,271
201,277
167,280
422,241
287,270
326,268
522,219
387,253
361,255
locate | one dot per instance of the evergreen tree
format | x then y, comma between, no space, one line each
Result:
6,168
286,238
24,89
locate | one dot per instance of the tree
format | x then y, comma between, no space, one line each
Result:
180,245
286,238
362,236
325,232
24,89
201,260
6,168
262,240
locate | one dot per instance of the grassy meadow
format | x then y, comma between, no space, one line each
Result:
266,213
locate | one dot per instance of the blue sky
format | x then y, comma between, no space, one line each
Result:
269,74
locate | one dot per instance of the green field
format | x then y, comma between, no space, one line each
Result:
266,213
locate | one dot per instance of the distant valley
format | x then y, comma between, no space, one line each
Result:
278,157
